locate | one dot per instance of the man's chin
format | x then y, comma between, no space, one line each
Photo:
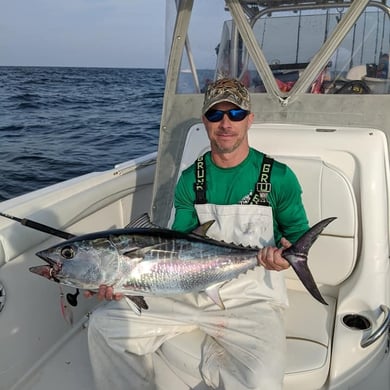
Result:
224,148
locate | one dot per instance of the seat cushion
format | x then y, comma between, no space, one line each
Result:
309,329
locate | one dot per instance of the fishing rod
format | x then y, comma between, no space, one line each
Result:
71,298
39,226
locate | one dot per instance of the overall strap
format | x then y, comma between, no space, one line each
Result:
200,181
263,185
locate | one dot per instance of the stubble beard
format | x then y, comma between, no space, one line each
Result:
219,148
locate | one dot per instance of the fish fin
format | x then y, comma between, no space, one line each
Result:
141,222
213,293
304,243
297,253
304,274
163,253
140,252
202,229
165,249
136,303
133,252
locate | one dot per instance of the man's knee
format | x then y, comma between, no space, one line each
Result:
97,323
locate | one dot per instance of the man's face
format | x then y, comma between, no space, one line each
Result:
227,136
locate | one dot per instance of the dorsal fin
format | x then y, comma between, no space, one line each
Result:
141,222
202,230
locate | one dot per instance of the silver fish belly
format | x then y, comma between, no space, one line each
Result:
184,267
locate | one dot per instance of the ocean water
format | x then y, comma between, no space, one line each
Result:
58,123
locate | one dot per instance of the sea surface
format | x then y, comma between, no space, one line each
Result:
57,123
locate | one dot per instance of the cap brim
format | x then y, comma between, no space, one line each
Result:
221,100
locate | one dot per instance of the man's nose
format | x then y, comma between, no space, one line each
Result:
225,121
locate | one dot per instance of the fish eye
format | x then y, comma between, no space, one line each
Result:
67,252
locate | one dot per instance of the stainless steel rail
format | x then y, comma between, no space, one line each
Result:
370,339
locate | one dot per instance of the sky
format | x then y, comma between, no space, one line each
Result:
97,33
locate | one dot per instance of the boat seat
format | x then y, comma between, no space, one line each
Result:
309,324
357,72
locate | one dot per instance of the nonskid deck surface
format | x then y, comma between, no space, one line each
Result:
68,368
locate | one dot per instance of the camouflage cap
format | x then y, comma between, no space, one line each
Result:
226,90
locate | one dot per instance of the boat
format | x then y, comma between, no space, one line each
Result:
318,74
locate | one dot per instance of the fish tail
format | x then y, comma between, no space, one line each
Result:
304,243
297,254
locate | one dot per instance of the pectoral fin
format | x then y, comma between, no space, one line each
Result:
140,252
137,303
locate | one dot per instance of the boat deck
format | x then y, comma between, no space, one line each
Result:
66,367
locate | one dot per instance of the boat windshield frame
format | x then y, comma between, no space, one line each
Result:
244,15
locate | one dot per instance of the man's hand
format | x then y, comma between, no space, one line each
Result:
271,257
104,293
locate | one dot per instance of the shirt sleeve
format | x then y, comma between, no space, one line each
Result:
290,220
186,218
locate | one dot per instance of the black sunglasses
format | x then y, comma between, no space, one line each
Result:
234,114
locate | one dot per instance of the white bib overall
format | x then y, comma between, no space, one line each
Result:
243,346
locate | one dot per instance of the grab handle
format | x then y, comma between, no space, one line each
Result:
368,340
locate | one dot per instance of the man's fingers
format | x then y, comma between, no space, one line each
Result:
107,293
89,293
271,258
285,243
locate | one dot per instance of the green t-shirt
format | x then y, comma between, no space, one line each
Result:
235,186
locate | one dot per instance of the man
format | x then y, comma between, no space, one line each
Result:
254,201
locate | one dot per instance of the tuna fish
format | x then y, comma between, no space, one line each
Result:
155,261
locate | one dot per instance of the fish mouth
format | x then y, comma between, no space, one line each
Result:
46,271
49,271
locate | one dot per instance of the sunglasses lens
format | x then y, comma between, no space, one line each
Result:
214,115
235,114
